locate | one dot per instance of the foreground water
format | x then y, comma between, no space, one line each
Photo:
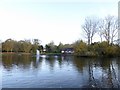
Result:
25,71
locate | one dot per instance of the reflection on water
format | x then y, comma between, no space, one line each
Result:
59,71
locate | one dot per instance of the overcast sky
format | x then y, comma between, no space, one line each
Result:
50,20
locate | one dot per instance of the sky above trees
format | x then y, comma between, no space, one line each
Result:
58,21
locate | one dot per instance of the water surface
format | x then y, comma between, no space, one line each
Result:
25,71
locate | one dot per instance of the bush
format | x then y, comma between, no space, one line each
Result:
96,49
80,48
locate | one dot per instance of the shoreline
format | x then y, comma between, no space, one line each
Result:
10,53
83,56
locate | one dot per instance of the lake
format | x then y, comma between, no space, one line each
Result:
62,71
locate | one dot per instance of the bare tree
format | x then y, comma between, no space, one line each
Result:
100,30
109,28
90,28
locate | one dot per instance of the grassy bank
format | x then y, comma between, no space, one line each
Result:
52,54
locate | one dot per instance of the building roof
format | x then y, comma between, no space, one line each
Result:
68,49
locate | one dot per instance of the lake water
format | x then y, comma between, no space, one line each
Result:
25,71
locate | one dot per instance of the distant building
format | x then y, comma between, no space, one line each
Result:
44,50
67,51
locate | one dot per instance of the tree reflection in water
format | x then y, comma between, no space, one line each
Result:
96,72
110,79
108,76
22,61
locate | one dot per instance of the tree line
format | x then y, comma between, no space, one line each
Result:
28,46
80,47
21,46
96,49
